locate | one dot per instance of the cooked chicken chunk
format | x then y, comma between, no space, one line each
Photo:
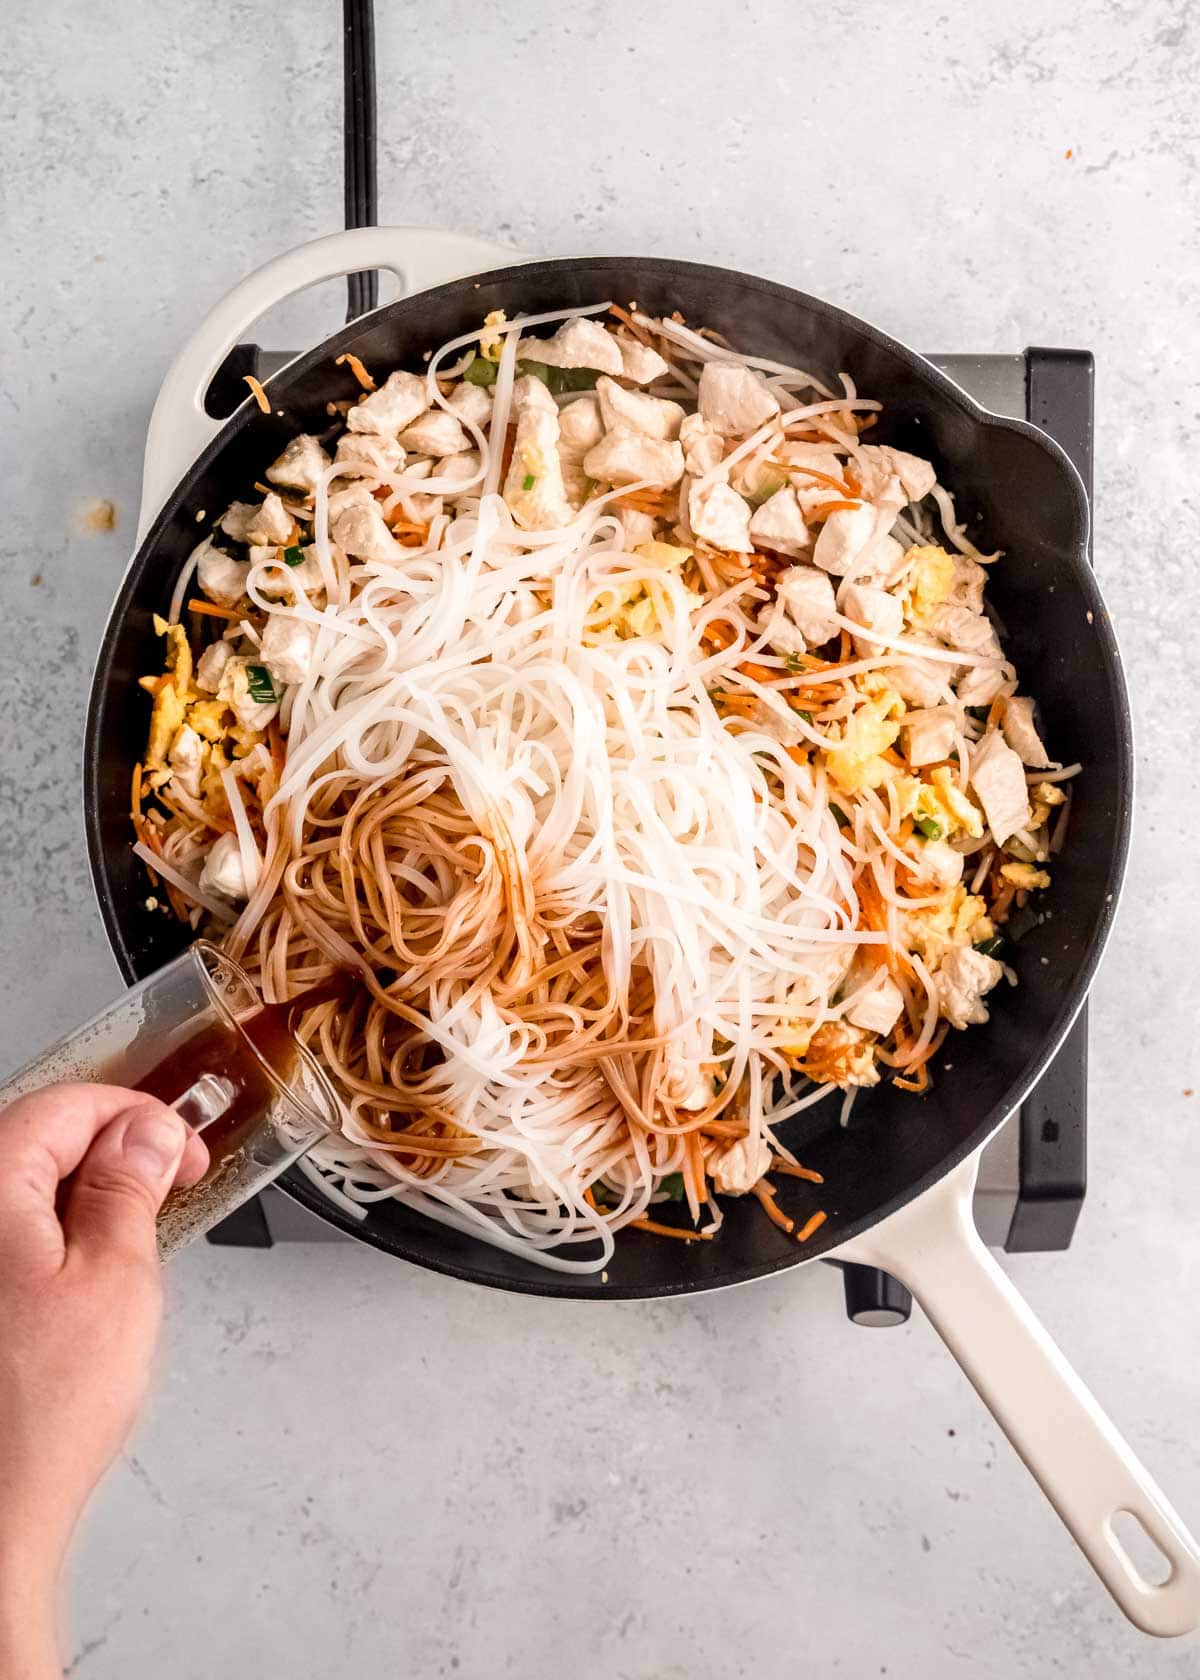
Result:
961,982
737,1168
998,779
625,457
580,427
636,528
534,488
1019,732
212,666
876,464
653,416
300,465
577,344
935,863
703,445
186,760
808,596
360,530
778,524
735,400
262,522
394,406
282,581
435,432
875,610
250,712
878,1008
928,738
457,469
965,631
639,362
719,516
287,649
921,682
471,402
222,578
370,453
223,872
845,538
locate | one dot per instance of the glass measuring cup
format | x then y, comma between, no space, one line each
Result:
197,1035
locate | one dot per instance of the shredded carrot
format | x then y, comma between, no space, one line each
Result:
656,503
653,1226
811,472
695,1150
719,632
135,795
275,743
176,900
260,396
791,1170
774,1213
810,1225
211,610
357,369
996,710
826,508
920,1084
590,1199
758,673
623,315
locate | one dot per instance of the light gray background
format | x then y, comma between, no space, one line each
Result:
351,1468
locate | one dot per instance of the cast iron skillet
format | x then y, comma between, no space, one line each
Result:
1023,496
898,1180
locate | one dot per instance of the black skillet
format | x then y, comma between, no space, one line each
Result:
1021,495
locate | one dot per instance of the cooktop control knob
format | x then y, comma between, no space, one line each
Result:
874,1298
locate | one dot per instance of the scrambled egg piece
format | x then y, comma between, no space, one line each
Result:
1025,876
1043,799
640,608
170,702
492,343
856,762
928,583
793,1038
940,801
960,919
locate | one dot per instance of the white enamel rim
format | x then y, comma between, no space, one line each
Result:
1082,1464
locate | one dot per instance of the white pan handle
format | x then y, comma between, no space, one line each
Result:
179,427
1083,1466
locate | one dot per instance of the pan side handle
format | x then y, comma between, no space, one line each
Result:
179,426
1084,1467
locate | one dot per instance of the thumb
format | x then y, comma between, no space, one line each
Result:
121,1183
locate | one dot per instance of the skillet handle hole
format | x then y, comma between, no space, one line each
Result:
1139,1550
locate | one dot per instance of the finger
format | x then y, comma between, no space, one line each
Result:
120,1184
194,1164
43,1138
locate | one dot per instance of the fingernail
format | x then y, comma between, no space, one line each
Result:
153,1141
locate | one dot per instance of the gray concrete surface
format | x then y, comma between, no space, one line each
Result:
351,1468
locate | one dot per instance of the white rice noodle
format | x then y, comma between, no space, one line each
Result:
181,588
252,862
704,350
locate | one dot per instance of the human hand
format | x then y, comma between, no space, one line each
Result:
83,1172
